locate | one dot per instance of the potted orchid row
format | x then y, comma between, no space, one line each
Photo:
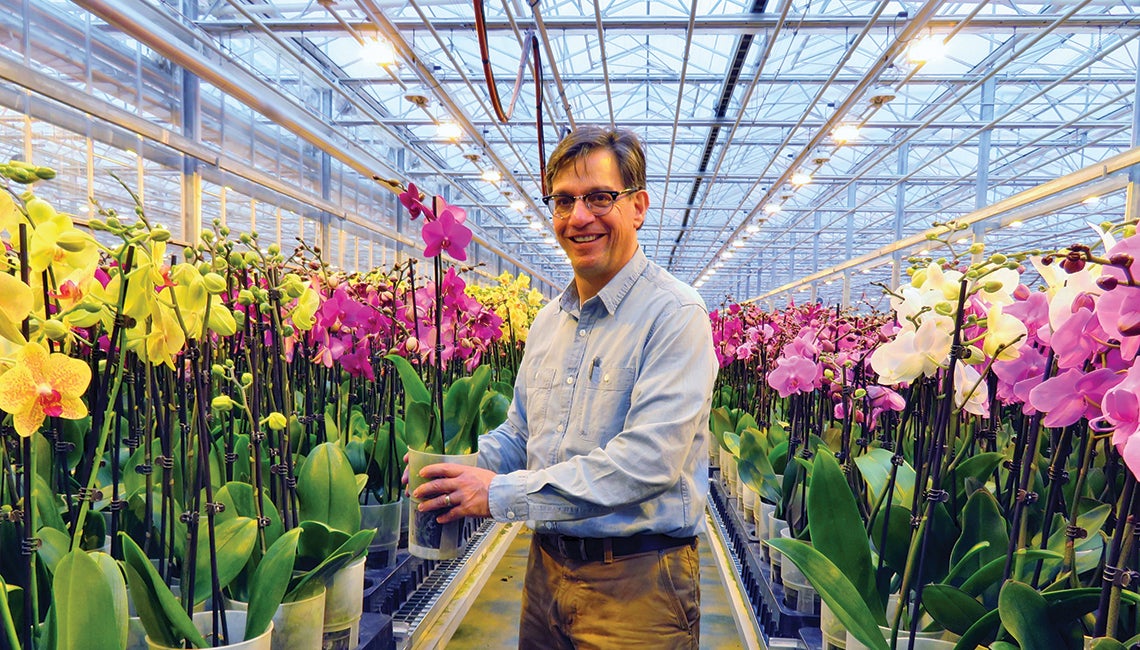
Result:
959,467
181,436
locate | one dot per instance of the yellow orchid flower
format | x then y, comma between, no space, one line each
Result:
16,302
42,384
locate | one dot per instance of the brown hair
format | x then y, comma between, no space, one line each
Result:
584,140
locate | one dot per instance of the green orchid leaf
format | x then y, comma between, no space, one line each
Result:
326,487
979,468
270,582
875,468
118,584
837,530
48,506
163,617
85,603
1025,614
778,457
893,545
414,387
332,431
239,500
835,589
7,625
981,521
992,572
951,607
493,410
745,421
719,424
504,388
234,541
1106,643
958,572
418,425
54,545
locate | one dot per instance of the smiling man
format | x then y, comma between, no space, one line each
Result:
605,449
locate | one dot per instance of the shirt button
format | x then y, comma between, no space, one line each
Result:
569,380
549,524
559,428
581,332
510,514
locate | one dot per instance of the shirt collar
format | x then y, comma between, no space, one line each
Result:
615,290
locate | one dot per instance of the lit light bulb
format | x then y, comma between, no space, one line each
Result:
449,130
753,228
799,179
491,175
536,225
771,208
739,243
845,133
727,255
518,205
378,51
1091,201
926,49
1016,223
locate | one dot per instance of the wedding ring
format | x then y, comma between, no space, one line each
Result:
447,500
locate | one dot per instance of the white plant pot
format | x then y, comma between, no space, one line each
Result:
235,621
427,538
385,518
344,603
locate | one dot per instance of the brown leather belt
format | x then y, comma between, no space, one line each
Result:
595,549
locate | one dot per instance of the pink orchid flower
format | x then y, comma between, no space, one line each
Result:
410,199
446,234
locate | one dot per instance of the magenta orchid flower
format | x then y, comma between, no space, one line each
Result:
447,233
410,199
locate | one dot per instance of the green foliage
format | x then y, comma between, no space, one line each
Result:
326,487
84,601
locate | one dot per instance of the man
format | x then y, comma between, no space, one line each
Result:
605,448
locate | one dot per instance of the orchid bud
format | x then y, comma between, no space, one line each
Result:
72,241
274,249
45,173
992,286
976,248
1083,301
160,234
828,373
244,238
236,259
860,393
1107,282
55,330
276,421
96,224
412,345
207,236
190,254
239,318
251,258
1021,292
214,283
247,379
944,308
218,371
1120,259
39,210
998,258
245,297
224,231
287,331
222,403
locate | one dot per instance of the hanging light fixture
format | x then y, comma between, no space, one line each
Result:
845,133
799,179
491,175
926,49
518,205
771,208
378,51
449,130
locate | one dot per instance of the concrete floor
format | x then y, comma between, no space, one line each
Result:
492,622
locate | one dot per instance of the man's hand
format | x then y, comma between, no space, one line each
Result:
460,490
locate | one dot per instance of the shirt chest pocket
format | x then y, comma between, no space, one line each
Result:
538,397
606,403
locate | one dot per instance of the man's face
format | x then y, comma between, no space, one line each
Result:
598,246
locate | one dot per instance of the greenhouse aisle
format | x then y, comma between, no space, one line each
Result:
492,621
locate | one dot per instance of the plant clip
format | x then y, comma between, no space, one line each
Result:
257,437
1076,532
986,434
291,482
63,446
231,458
133,441
15,515
888,444
165,462
1058,475
124,321
936,495
807,454
898,460
89,494
146,469
1026,496
263,522
215,507
30,545
1012,465
1119,577
274,294
915,521
862,442
117,504
189,517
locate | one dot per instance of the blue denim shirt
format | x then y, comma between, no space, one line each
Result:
607,435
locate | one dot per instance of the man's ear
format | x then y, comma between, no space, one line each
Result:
641,208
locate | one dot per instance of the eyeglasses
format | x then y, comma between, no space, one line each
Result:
599,202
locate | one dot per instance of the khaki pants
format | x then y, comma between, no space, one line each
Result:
648,600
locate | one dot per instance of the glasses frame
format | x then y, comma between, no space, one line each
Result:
613,194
